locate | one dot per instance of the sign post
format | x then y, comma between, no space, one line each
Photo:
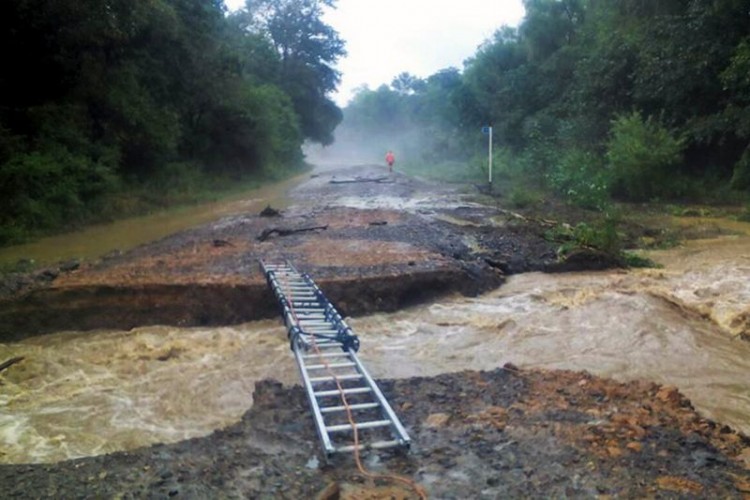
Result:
488,131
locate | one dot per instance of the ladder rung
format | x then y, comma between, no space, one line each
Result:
330,365
326,355
359,406
359,425
327,345
336,392
378,445
330,378
319,341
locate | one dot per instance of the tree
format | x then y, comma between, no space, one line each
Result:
308,49
406,83
103,96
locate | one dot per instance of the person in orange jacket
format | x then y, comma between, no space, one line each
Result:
390,159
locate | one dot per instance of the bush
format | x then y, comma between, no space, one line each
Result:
602,237
634,260
581,178
49,189
522,198
741,175
643,155
178,178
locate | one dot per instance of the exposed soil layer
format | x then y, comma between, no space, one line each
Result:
365,259
498,434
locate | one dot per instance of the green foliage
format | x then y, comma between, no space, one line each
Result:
745,214
453,172
560,91
150,100
20,266
308,50
580,177
741,175
602,237
643,156
632,259
41,191
521,197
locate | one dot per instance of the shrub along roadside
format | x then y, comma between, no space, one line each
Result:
60,210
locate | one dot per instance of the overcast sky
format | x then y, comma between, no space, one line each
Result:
386,37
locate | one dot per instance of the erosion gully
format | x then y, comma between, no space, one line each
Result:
88,393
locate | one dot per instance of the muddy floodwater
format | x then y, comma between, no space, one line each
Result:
95,241
79,394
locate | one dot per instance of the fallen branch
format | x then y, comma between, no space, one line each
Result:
381,180
12,361
286,232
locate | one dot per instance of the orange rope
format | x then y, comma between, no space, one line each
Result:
419,490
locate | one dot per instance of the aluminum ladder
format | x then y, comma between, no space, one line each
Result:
325,350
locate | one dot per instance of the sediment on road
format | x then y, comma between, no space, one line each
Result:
367,258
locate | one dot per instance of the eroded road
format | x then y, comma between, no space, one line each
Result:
380,246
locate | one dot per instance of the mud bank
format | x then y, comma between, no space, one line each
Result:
506,432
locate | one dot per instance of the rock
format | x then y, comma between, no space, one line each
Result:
70,265
436,420
678,484
634,446
669,394
270,212
48,275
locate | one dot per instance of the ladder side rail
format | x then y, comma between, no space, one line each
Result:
386,408
320,425
293,330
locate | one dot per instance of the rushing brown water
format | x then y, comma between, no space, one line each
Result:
80,394
98,240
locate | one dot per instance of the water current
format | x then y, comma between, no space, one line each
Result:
87,393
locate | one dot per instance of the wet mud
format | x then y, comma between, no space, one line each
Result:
495,434
370,247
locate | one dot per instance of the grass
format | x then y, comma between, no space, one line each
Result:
181,188
452,172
